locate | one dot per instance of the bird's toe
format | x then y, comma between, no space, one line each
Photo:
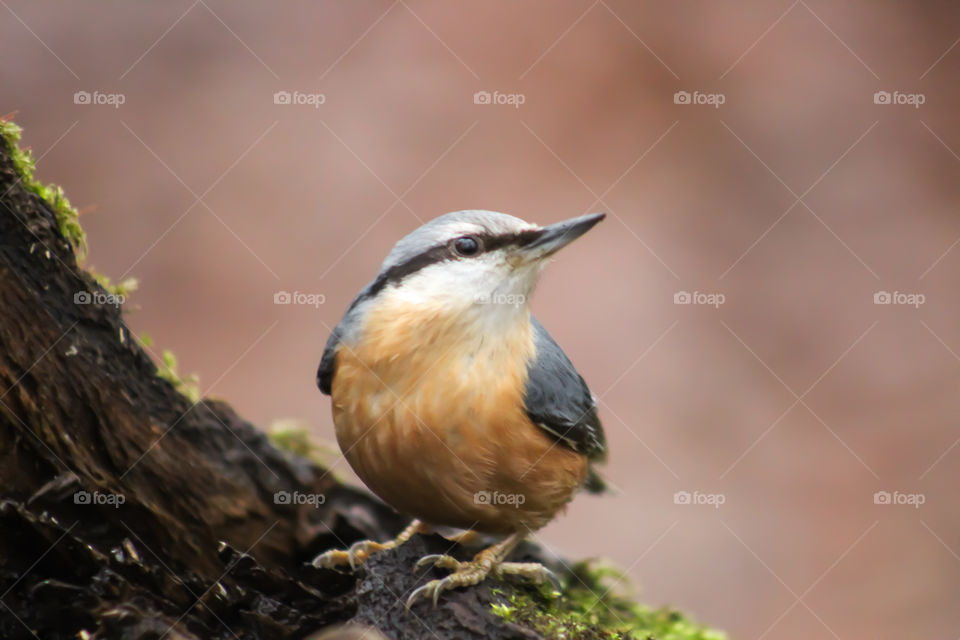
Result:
440,561
533,571
355,555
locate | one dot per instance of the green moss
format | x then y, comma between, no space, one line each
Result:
294,436
589,609
69,223
189,386
124,288
67,217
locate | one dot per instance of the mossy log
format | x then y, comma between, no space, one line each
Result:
129,510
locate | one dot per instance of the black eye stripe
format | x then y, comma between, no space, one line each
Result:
400,271
441,253
491,241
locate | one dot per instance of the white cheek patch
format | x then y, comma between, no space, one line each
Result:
456,283
486,294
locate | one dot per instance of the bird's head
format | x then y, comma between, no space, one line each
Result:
474,260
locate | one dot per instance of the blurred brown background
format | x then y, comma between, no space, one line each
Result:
797,199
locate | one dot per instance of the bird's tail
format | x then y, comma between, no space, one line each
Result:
596,483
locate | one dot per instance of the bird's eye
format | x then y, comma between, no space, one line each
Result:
466,246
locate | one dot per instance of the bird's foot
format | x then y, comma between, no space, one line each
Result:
466,574
360,551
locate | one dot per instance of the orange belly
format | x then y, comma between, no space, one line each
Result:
440,432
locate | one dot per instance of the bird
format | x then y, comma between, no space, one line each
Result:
453,404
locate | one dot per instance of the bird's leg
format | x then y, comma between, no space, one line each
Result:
361,550
464,537
489,561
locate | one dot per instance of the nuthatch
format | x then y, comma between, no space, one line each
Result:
452,403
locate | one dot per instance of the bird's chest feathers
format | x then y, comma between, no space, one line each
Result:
416,367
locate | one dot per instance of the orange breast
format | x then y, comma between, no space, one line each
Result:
429,413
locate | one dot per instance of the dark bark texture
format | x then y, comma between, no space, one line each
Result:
198,548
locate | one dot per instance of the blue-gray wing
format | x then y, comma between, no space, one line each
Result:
328,362
558,400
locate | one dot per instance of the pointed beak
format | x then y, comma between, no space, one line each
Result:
554,237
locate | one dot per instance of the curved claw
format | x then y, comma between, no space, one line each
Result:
553,579
360,550
432,590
